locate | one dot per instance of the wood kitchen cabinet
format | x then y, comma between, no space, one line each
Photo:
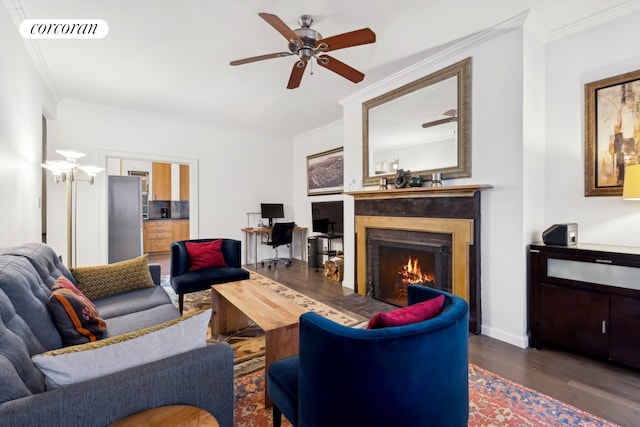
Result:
158,234
586,298
161,181
180,229
184,182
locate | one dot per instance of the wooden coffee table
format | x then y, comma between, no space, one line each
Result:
235,303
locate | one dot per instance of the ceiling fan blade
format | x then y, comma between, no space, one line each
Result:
280,27
260,58
353,38
341,68
440,122
296,74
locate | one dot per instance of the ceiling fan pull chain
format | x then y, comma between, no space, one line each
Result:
311,68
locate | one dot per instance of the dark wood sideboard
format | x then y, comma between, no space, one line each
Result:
585,298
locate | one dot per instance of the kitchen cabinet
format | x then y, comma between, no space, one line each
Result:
169,181
161,181
180,229
184,182
586,298
158,234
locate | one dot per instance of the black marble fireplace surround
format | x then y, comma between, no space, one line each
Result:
437,205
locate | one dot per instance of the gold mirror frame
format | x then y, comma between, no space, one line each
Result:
461,70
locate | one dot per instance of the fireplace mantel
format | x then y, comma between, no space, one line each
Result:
452,210
415,192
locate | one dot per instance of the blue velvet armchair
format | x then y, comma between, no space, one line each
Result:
413,375
184,281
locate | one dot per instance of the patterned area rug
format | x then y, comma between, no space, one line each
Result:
493,402
248,344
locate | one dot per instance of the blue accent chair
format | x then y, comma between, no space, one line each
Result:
184,281
413,375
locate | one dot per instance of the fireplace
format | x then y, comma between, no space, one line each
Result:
437,229
398,258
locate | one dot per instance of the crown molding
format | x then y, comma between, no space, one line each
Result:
449,53
595,19
536,27
17,15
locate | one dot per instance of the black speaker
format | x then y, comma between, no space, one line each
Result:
561,234
312,253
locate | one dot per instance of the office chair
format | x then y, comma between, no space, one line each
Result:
281,234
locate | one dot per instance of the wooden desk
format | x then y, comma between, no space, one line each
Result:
234,302
173,415
263,231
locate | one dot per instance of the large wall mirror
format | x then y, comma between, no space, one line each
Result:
422,127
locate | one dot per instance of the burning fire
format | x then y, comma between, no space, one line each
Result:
412,273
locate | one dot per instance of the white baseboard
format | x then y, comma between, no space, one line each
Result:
517,340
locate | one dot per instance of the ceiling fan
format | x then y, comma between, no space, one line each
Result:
452,117
307,43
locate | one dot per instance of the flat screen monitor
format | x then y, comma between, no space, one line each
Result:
271,211
328,217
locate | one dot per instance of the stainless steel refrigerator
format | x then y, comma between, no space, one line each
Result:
125,217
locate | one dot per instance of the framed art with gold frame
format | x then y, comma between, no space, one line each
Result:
612,132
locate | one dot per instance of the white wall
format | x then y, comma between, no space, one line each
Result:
498,129
235,170
23,102
528,142
596,53
314,142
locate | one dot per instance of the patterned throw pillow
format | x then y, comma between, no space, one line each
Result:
76,318
83,362
110,279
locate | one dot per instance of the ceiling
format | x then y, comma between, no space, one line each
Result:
172,57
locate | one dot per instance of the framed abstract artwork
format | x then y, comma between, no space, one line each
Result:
325,172
612,132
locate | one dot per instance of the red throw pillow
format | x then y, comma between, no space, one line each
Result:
205,255
407,315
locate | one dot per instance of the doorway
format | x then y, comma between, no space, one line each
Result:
188,174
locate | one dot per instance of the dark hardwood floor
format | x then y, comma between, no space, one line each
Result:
602,388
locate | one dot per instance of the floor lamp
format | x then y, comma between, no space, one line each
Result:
67,171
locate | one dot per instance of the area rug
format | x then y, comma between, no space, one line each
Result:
493,402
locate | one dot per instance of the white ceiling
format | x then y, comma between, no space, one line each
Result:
171,57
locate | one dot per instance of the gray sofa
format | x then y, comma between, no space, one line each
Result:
202,377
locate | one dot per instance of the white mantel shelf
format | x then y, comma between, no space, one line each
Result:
419,192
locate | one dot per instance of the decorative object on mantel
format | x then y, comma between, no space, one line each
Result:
383,184
416,181
611,123
402,176
436,179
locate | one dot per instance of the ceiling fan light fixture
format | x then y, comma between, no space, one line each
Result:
306,43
